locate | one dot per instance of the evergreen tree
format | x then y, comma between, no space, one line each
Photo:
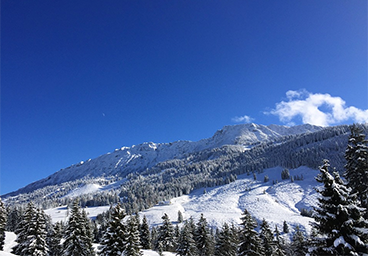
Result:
250,242
203,238
37,244
3,221
186,244
54,239
226,242
267,238
133,244
32,233
279,243
23,230
356,168
299,243
180,217
78,238
114,239
338,219
285,227
166,234
145,236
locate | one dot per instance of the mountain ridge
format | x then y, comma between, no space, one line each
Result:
142,156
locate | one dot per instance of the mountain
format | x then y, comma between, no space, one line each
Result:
140,157
143,175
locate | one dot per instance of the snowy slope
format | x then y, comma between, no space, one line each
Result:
139,157
264,200
273,202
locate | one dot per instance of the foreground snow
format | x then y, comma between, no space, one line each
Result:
10,242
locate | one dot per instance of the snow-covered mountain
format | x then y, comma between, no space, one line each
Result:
138,158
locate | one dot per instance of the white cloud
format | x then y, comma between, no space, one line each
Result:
317,109
242,119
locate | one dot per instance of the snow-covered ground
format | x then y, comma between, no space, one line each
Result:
275,201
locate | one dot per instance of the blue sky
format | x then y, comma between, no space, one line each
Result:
81,78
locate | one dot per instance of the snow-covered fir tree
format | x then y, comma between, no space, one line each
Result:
250,243
32,233
22,230
78,238
145,235
226,242
114,239
339,225
133,244
267,238
186,244
37,235
356,168
165,236
298,246
203,238
3,220
279,243
54,237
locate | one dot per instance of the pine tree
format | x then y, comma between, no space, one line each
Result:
356,168
3,221
133,244
299,243
285,227
78,236
166,234
23,230
32,233
37,244
267,238
203,238
226,243
186,244
338,219
180,217
114,239
145,236
279,243
250,242
54,239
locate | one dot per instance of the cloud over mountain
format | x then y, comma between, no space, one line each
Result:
317,109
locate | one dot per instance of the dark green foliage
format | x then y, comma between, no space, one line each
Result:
78,235
165,236
250,243
299,243
267,238
114,239
285,227
54,239
226,242
186,245
203,238
32,233
180,217
133,244
285,174
145,235
338,219
356,168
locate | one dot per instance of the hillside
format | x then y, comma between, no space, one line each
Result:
143,175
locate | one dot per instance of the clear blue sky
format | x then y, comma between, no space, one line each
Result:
81,78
